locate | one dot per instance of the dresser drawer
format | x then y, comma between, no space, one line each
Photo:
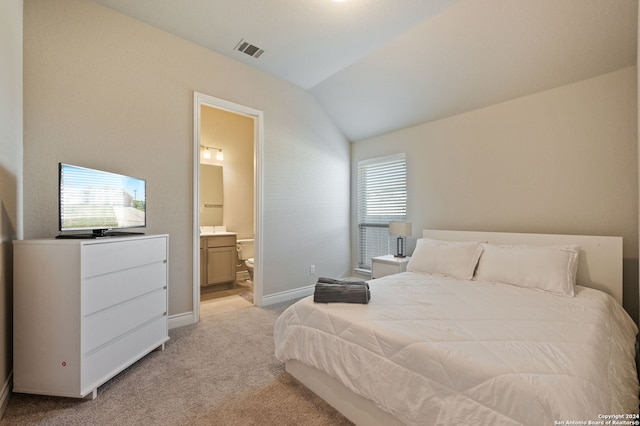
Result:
109,360
102,291
108,257
222,241
109,324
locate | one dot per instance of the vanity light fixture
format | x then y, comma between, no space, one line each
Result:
207,153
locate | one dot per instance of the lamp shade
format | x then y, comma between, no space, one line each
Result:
401,229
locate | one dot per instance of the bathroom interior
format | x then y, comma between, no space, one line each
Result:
226,209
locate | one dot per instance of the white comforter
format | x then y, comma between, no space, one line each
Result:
439,351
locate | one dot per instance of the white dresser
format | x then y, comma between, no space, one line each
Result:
84,310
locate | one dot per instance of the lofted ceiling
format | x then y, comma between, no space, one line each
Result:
382,65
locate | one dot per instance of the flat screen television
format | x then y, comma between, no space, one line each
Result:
99,202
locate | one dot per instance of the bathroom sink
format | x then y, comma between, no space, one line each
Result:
210,231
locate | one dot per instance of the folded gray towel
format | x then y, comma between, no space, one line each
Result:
338,291
326,280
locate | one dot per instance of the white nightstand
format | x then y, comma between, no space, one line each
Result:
388,264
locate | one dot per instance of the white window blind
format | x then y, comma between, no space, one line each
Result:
382,198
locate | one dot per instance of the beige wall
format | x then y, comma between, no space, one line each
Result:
234,134
10,173
561,161
105,91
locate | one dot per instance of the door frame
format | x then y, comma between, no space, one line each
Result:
258,116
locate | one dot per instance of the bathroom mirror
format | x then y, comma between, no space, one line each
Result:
211,195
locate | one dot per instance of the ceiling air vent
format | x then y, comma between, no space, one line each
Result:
249,49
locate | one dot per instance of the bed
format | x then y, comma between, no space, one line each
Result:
483,328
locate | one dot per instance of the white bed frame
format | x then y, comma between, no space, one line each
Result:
599,267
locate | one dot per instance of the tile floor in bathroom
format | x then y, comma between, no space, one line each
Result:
225,300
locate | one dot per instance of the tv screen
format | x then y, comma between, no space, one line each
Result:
98,201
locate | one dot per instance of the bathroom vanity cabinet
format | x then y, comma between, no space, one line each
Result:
218,259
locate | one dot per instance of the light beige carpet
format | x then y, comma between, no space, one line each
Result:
221,371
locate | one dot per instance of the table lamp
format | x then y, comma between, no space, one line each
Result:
401,230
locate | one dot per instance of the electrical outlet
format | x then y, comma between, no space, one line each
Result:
312,269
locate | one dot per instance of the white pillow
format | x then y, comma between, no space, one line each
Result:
451,258
548,268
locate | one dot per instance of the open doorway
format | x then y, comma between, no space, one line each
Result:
234,213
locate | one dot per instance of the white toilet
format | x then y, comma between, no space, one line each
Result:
245,253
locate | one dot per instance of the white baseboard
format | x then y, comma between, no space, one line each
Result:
284,296
5,394
187,318
180,320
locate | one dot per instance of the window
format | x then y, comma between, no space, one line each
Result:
382,198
